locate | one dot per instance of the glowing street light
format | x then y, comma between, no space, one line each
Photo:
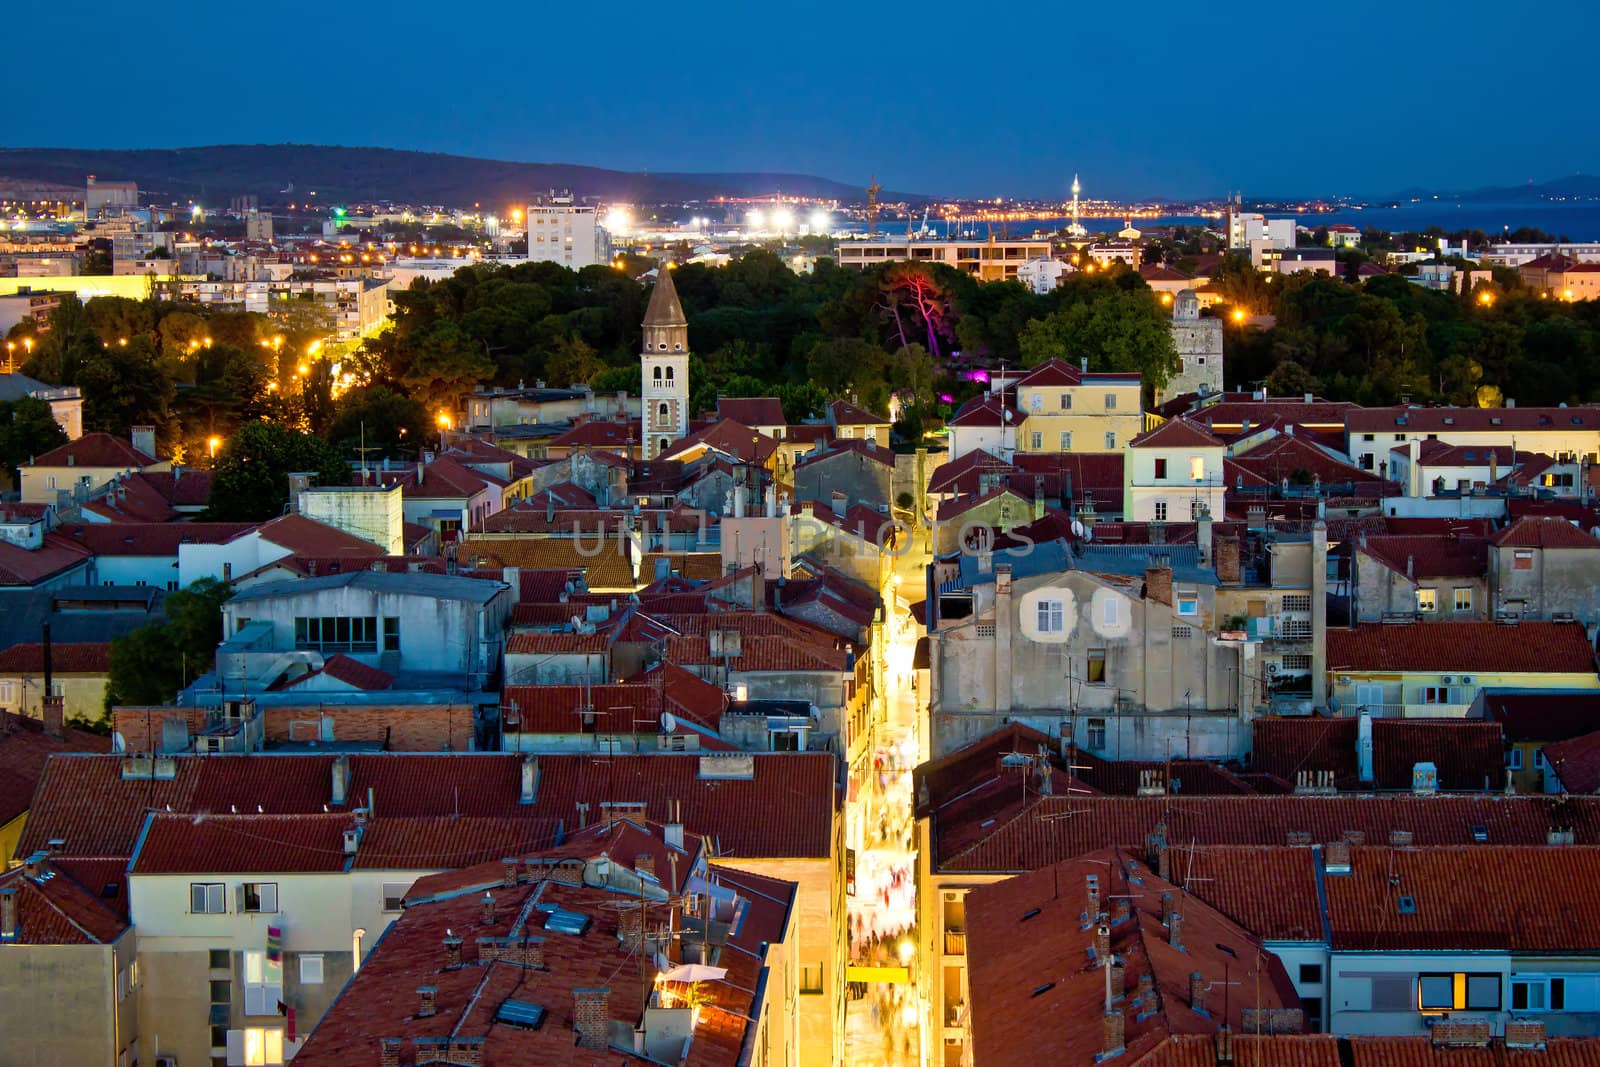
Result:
757,219
1239,315
783,220
821,222
213,443
619,219
1486,298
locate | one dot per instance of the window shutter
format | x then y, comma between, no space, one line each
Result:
239,898
255,999
235,1047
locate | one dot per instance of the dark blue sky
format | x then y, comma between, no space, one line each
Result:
975,99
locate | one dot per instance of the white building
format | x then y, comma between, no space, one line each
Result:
560,231
1173,473
988,260
371,512
1247,227
1042,275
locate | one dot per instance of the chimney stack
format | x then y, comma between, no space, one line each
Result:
389,1051
487,918
1158,585
645,863
1175,929
1122,910
1224,1045
8,913
341,781
452,953
1147,988
54,713
1197,992
1111,1024
1166,908
591,1017
1102,941
1091,910
427,1001
508,872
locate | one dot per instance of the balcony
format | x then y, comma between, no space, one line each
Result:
955,942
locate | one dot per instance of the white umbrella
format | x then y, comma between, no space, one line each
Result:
694,972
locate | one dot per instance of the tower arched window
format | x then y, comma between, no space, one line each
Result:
662,346
669,374
662,411
677,348
658,374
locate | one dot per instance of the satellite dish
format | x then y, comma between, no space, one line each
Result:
669,723
1079,530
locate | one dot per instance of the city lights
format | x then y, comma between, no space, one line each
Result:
821,221
619,220
756,218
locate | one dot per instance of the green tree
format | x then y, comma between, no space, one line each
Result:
251,479
388,422
64,346
572,362
1120,330
445,365
124,386
27,429
152,664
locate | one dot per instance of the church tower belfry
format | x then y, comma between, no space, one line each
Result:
664,369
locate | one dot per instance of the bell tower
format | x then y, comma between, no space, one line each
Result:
664,369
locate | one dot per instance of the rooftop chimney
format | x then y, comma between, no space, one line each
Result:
1091,908
487,918
389,1049
452,953
1224,1045
143,438
530,779
341,780
508,872
672,830
1147,988
427,996
1102,941
1197,992
1175,929
8,913
1111,1033
591,1017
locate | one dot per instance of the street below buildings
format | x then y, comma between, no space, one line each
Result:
883,1015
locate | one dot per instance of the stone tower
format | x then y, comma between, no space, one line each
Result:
1199,345
664,369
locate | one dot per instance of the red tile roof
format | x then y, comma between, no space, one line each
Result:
1477,420
741,442
1472,647
90,657
315,540
1469,754
1052,371
761,654
844,413
28,566
86,801
1270,890
447,478
1429,556
1284,746
687,694
94,450
559,643
1031,964
599,433
150,538
1177,433
1542,714
563,709
1535,531
53,909
1289,456
752,410
605,566
986,410
351,672
1576,762
861,446
24,748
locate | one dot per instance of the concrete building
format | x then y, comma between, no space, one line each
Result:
1246,228
1173,473
69,977
27,305
1559,432
77,674
664,369
258,226
66,402
1539,568
1433,578
990,261
564,232
109,198
430,624
1054,407
1113,646
1042,275
850,472
372,513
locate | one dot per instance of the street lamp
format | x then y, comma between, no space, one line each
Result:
212,444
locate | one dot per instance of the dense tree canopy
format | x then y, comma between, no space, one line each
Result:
151,664
251,483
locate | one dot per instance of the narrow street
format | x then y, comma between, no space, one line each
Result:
882,1028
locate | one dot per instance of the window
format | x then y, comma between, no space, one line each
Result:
1097,733
1366,459
1539,762
1036,440
1522,559
310,970
669,369
1310,974
811,979
8,692
260,896
1427,600
1435,992
1066,401
391,632
662,412
1097,666
1066,440
1196,507
263,983
1111,441
1109,613
1161,511
657,375
1188,605
1197,469
1514,758
1111,401
219,959
255,1047
1036,401
1161,469
1463,598
1538,994
393,894
1483,992
205,898
1051,617
784,741
1312,1006
336,633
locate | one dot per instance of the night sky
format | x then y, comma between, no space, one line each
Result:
1142,99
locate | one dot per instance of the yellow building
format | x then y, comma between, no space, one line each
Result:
80,467
79,673
1067,409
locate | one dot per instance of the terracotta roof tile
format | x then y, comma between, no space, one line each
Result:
1429,556
844,413
1477,420
53,909
752,410
24,748
315,540
1474,647
1470,754
81,658
1576,762
28,566
1177,433
94,450
1544,532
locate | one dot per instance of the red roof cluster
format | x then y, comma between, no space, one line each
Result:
1471,647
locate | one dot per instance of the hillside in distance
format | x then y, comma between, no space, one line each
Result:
337,174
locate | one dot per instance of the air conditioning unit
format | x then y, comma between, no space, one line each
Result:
1448,679
1466,679
1272,668
166,1061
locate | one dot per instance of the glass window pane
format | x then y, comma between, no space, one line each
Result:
1436,991
1483,992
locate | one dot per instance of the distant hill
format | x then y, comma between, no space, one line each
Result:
1575,185
338,174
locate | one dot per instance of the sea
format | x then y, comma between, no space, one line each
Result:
1573,220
